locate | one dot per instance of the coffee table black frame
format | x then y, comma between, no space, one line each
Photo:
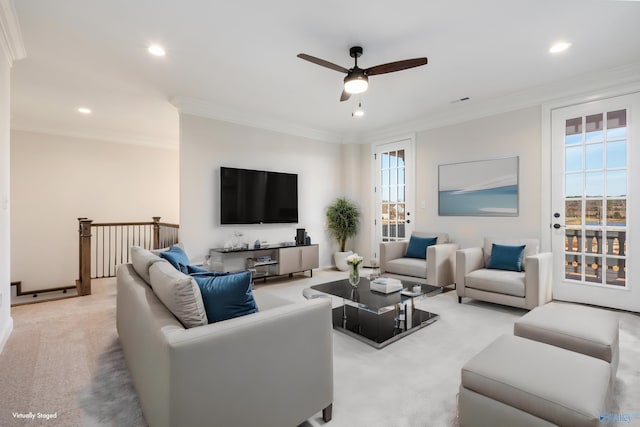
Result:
375,318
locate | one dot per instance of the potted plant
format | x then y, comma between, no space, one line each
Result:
343,221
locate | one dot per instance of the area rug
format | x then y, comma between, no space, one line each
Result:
110,399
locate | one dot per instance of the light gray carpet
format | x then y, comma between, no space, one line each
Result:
412,382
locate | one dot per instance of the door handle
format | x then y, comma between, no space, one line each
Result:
557,226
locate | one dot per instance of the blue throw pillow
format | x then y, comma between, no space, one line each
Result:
194,269
226,296
177,258
418,246
504,257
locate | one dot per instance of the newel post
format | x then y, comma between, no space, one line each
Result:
83,284
156,232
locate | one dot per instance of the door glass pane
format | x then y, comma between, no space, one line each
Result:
401,190
593,214
616,271
573,159
573,185
617,154
385,160
594,156
616,124
393,177
617,213
385,193
400,158
393,163
617,183
573,267
593,241
393,194
573,133
572,240
593,269
573,212
594,130
594,185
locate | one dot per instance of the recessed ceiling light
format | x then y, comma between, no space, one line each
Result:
559,47
84,110
156,50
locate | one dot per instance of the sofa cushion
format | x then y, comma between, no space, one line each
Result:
417,247
179,293
413,267
177,258
227,295
142,259
497,281
506,257
442,237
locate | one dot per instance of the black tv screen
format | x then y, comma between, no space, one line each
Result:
257,197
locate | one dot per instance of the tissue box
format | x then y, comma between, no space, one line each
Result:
386,285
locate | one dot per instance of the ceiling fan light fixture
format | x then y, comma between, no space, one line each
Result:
356,83
359,112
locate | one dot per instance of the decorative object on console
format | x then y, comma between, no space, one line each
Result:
354,260
343,221
300,233
386,285
480,188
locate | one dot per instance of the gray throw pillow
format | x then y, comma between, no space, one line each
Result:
142,259
179,293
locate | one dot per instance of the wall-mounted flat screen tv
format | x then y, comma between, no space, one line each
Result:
257,197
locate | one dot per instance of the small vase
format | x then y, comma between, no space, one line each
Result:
354,276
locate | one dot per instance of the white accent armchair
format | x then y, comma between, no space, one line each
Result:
437,270
525,289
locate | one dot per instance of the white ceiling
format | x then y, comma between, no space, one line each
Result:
238,59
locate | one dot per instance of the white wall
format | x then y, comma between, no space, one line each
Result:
516,133
6,322
56,179
207,144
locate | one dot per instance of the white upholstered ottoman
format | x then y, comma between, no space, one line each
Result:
520,382
582,329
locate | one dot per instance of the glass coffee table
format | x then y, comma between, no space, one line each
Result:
375,318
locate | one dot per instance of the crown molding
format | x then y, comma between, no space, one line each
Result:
586,86
10,34
202,108
145,141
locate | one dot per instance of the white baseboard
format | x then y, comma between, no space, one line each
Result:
6,332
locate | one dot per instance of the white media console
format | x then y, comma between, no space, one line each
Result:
274,260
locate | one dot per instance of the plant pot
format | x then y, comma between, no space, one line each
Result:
340,259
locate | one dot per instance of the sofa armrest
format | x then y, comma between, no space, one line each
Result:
538,279
467,260
441,264
390,251
277,358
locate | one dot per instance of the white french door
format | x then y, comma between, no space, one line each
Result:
595,202
394,189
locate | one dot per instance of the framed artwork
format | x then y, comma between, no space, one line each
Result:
480,188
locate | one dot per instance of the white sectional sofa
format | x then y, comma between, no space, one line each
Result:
271,368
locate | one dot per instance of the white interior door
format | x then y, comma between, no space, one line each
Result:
394,192
595,196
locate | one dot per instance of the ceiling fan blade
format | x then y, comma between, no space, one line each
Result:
395,66
322,62
345,95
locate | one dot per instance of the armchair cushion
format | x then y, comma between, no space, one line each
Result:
497,281
506,257
407,267
417,247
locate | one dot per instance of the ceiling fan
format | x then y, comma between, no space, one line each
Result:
357,79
